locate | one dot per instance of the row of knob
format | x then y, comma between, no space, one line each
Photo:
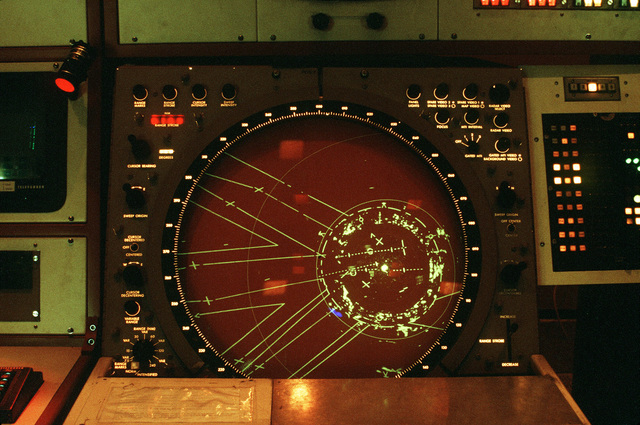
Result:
198,92
471,117
323,22
498,93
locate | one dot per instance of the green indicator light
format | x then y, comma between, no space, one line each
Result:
636,160
628,160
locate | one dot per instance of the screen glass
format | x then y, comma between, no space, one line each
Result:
33,143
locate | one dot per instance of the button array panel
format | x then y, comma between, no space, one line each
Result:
555,4
591,88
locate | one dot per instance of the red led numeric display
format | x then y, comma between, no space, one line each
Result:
166,120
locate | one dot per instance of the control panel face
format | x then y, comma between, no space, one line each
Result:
584,125
513,20
319,223
347,20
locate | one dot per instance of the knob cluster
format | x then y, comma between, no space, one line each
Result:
324,22
498,93
170,92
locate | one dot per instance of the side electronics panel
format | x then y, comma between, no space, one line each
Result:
615,20
42,22
346,20
43,166
39,279
584,129
190,21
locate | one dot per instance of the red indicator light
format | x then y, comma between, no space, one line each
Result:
542,2
65,85
495,2
552,3
485,2
532,2
167,120
504,2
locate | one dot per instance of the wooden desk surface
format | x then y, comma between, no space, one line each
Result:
54,363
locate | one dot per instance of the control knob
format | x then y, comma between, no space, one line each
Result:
169,92
133,276
139,148
375,21
510,273
199,92
472,116
506,195
501,120
442,116
321,21
470,92
134,196
139,92
414,91
229,91
503,144
143,351
499,93
441,92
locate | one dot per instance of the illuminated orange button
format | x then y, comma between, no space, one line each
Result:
563,248
504,2
573,127
631,135
542,2
552,3
485,3
583,247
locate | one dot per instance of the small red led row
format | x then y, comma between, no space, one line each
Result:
495,2
542,3
167,119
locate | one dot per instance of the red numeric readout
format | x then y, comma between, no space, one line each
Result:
166,120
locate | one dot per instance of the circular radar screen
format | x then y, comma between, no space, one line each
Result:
315,245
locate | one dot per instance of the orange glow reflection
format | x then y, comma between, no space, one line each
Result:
291,149
274,287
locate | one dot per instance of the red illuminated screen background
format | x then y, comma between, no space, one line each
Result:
319,248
